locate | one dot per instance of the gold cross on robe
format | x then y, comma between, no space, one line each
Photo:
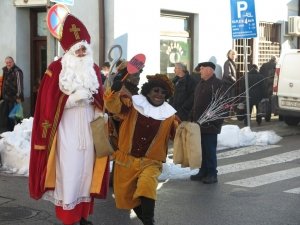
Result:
46,125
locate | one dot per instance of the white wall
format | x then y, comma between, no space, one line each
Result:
15,42
134,25
7,28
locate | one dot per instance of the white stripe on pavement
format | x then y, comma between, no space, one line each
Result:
293,191
279,158
244,151
267,178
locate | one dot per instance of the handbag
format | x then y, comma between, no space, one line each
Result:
100,137
17,112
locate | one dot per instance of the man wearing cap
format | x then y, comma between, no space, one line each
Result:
207,90
63,168
148,121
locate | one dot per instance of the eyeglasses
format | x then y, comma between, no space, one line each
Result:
159,90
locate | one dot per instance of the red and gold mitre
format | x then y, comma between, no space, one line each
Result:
73,31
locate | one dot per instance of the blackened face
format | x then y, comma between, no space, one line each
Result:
157,96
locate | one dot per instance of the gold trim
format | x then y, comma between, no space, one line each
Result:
55,122
49,73
39,147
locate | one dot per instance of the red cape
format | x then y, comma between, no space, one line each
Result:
48,111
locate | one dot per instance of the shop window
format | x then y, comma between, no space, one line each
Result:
175,41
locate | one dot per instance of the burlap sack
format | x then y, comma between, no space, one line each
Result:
100,137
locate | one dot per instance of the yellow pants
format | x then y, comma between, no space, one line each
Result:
134,177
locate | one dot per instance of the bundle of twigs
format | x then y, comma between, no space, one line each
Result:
221,104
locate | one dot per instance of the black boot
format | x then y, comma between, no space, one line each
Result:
148,205
198,176
138,211
85,222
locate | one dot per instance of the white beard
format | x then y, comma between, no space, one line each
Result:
78,72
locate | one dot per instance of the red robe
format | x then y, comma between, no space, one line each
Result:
49,108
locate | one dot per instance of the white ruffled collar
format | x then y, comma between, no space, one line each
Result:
141,104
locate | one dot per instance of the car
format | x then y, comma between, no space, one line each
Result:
286,87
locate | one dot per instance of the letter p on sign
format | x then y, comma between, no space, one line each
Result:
241,6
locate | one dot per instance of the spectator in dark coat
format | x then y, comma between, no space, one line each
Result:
268,71
230,73
208,89
183,97
12,90
256,90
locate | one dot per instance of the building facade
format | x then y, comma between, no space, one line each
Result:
166,31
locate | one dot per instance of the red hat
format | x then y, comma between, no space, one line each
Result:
73,31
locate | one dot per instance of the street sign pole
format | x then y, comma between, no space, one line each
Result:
243,24
247,84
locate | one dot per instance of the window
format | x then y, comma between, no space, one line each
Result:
269,41
175,41
240,60
41,24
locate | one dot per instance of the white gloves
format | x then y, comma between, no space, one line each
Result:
78,97
81,94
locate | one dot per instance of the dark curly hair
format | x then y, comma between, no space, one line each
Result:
158,80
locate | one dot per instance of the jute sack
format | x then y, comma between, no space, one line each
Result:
187,145
100,137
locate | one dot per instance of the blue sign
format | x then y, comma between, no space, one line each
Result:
243,19
65,2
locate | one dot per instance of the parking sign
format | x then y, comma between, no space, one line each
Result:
243,19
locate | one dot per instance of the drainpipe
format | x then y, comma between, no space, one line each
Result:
102,32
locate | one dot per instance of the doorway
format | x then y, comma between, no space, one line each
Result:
38,51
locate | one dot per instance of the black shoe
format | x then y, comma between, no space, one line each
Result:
210,179
85,222
258,122
197,177
268,118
